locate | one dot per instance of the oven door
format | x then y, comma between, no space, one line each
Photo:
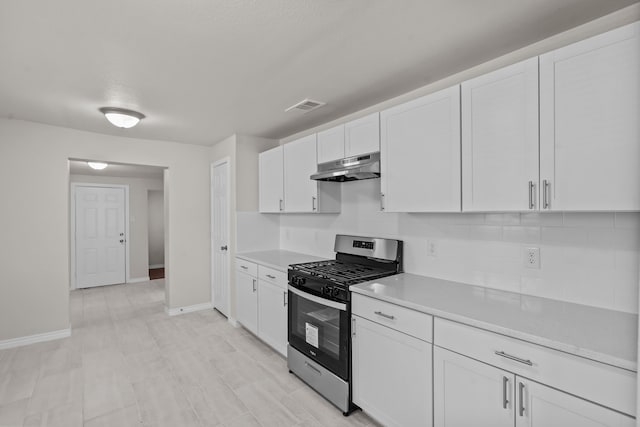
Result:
319,329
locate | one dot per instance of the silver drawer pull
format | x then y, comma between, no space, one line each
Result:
388,316
517,359
244,267
313,368
270,276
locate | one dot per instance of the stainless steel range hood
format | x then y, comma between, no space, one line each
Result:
366,166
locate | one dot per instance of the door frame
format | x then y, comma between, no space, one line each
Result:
230,250
72,225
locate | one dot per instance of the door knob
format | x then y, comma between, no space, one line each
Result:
223,248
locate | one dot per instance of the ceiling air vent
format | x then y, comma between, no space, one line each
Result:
305,106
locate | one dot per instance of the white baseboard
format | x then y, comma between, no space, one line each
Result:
138,279
233,322
156,266
32,339
188,309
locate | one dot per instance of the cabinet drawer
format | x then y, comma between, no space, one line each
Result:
246,267
276,277
604,384
402,319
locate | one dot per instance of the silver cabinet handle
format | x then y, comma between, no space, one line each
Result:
244,267
521,399
353,326
281,203
388,316
284,298
313,203
313,368
532,203
545,194
505,399
270,276
254,285
517,359
381,201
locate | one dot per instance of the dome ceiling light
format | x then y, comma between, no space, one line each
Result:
97,165
121,117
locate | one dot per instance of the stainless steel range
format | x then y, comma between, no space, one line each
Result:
319,350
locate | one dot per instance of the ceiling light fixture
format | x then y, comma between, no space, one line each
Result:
121,117
97,165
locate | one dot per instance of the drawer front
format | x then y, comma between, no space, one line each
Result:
604,384
276,277
247,267
402,319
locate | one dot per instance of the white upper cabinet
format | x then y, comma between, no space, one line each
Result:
331,144
300,162
362,136
301,193
420,154
589,123
271,185
500,139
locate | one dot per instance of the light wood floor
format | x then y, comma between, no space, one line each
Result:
127,363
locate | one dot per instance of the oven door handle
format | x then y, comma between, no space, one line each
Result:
318,300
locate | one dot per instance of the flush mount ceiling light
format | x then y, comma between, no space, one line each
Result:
97,165
121,117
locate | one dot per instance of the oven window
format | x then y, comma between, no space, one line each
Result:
320,332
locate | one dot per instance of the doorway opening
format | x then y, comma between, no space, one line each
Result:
109,223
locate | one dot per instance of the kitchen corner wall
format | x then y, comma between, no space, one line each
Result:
586,258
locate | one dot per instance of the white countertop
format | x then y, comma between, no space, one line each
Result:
603,335
277,259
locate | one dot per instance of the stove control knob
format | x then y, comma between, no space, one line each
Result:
326,290
335,292
297,280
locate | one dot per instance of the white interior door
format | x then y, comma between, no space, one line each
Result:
220,236
100,236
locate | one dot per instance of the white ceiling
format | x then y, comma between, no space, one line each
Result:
201,70
80,167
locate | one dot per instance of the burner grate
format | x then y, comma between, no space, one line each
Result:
341,272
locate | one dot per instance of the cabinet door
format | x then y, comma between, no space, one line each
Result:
589,127
272,315
331,144
391,374
500,139
300,191
420,154
271,185
541,406
362,136
470,393
247,301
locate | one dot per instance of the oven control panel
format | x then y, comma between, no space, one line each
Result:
360,244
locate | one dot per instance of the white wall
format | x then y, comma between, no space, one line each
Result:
587,258
34,259
156,227
138,222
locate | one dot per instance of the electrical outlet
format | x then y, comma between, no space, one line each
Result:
532,258
432,249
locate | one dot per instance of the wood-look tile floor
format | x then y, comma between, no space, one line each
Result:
127,363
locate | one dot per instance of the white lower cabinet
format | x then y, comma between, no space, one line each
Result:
261,302
542,406
247,301
391,374
272,315
467,392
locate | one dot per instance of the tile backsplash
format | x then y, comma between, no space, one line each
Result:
587,258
